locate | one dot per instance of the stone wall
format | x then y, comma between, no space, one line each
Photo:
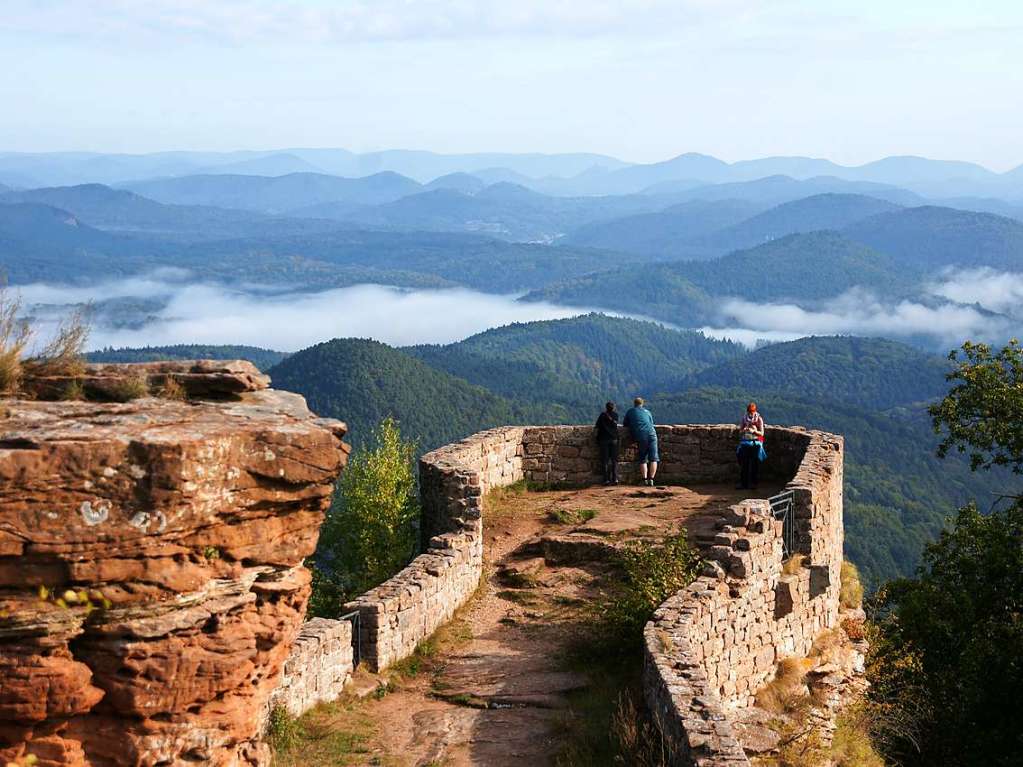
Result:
712,645
568,455
151,579
319,666
455,479
402,612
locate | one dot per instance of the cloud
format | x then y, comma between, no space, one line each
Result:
859,312
203,313
160,283
994,290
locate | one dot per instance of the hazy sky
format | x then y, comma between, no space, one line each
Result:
640,79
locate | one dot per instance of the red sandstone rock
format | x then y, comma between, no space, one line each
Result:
185,523
200,379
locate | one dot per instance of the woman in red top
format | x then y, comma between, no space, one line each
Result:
751,443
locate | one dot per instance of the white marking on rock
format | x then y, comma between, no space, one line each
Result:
140,520
136,471
161,521
268,455
94,515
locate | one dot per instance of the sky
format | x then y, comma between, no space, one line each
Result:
642,80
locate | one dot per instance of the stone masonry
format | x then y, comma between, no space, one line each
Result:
454,480
319,666
712,645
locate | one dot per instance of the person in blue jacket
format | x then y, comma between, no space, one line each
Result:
640,424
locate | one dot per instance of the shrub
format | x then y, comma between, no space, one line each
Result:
171,389
371,530
649,575
73,391
282,731
134,386
15,334
947,659
850,593
64,354
852,744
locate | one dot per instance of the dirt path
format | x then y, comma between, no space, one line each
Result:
494,687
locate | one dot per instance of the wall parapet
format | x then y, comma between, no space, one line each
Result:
454,480
712,645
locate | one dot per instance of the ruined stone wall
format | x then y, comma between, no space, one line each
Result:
712,645
568,455
454,480
151,579
400,613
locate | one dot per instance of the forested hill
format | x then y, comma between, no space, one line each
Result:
814,266
866,372
581,360
362,382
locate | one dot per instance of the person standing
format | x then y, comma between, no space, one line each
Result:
607,441
640,424
751,448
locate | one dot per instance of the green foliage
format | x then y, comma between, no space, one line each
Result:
581,360
371,529
572,516
949,658
282,731
649,575
981,412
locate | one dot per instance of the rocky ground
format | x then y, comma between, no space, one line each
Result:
502,684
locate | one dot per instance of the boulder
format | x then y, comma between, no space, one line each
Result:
151,579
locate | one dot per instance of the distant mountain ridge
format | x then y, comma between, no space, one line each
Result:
275,194
564,173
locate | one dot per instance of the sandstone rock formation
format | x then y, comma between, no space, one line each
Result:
151,579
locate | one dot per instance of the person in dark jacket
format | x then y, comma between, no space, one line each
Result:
607,441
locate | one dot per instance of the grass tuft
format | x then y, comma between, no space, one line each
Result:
850,594
282,731
171,389
64,354
15,335
132,387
